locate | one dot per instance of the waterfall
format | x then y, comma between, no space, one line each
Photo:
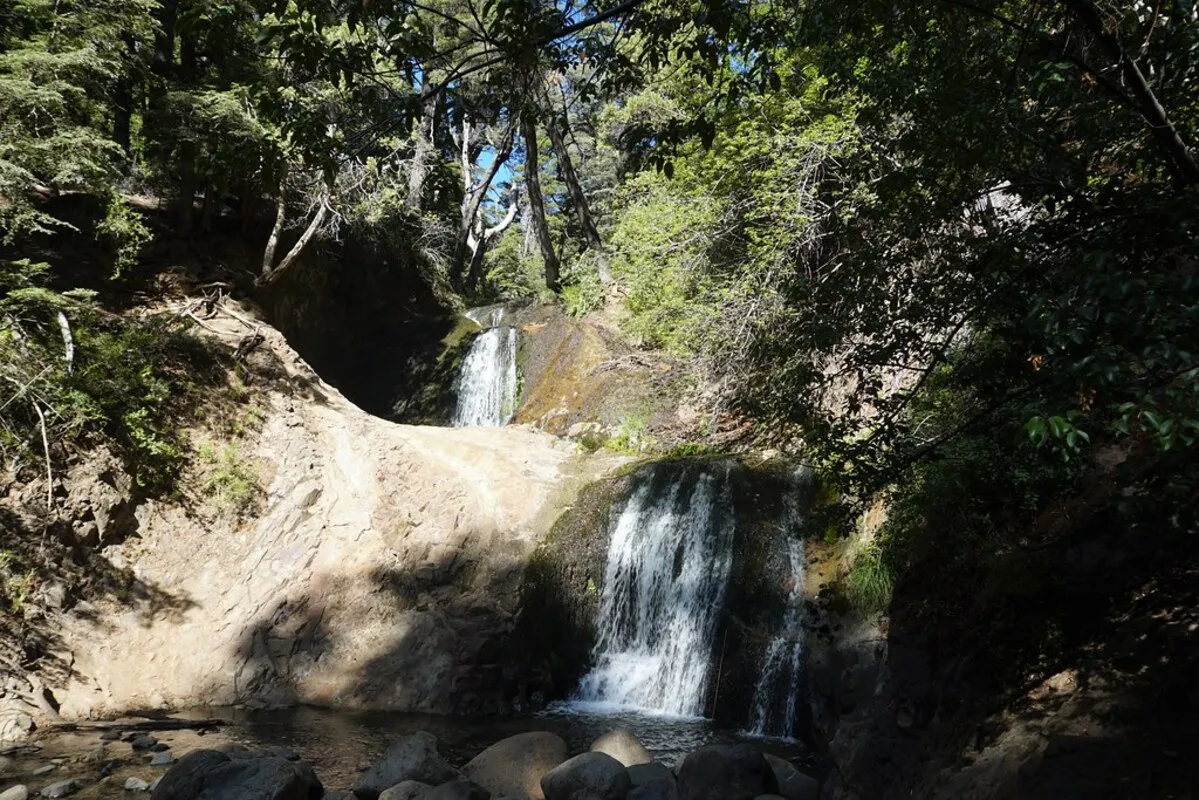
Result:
669,558
782,666
487,382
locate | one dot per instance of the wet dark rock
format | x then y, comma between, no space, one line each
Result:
407,790
211,774
725,772
589,776
110,736
793,784
282,751
412,758
144,743
457,790
652,781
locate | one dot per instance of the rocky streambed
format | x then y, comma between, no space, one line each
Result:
236,762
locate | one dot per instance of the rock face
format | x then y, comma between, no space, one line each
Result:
725,772
413,758
516,765
382,572
211,774
589,776
622,745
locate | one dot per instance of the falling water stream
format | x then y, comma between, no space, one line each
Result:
669,558
487,382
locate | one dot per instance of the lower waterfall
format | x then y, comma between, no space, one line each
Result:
487,382
669,558
773,710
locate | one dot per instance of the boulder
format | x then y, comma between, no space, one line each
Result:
515,766
589,776
210,774
15,793
457,790
62,788
162,759
652,781
135,784
145,742
412,758
406,790
725,772
622,745
793,784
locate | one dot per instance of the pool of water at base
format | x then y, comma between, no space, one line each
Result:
340,744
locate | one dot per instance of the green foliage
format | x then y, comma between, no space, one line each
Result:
231,482
869,583
16,582
582,291
124,232
132,382
632,435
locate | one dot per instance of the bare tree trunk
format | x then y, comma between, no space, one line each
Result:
272,243
187,151
553,278
569,176
318,218
473,197
478,245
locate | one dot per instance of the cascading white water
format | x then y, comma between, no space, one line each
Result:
782,666
487,382
783,662
669,558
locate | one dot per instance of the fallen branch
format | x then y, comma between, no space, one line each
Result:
171,724
46,447
68,343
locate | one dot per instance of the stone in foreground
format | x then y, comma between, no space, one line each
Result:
457,790
622,745
725,772
514,766
793,784
62,788
652,781
589,776
406,790
412,758
15,793
210,774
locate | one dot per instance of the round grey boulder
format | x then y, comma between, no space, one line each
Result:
406,790
17,792
652,781
589,776
515,766
63,788
793,784
725,772
209,774
412,758
457,790
622,745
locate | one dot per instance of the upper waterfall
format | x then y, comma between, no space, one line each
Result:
669,558
487,382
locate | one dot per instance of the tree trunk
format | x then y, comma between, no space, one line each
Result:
1181,160
187,150
423,148
569,176
473,198
122,102
272,243
479,246
269,274
553,278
